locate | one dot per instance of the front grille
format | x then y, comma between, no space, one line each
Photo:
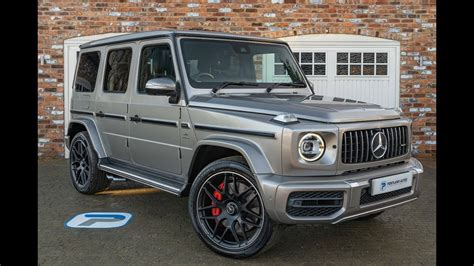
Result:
356,144
314,203
366,198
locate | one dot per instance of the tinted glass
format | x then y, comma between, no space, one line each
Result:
87,72
210,63
117,70
155,62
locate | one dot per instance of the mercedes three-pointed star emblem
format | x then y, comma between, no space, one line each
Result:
379,145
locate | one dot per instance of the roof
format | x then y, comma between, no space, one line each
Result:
170,33
335,39
90,38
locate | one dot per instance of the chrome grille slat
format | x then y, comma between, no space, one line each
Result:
356,144
370,137
392,141
356,148
350,138
362,146
397,140
385,131
404,148
368,145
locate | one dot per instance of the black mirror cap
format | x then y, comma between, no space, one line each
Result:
174,96
151,91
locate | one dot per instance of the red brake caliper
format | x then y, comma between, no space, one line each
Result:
217,211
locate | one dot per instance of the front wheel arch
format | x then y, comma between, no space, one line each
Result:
215,148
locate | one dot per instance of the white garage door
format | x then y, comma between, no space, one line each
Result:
350,66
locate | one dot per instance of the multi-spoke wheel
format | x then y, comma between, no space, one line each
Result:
227,209
80,162
85,175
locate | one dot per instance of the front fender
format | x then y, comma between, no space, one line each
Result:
91,128
254,156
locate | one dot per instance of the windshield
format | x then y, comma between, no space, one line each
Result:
212,63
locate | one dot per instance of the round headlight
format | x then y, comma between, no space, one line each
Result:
311,147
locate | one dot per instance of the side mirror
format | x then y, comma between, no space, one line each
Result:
160,86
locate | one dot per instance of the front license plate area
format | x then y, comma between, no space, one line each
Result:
390,183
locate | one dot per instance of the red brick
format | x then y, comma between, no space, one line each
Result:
73,19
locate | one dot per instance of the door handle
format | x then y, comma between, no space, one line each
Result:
100,114
135,118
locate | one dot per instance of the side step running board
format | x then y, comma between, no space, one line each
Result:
115,178
156,182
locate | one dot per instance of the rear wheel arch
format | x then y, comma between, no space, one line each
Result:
75,128
84,124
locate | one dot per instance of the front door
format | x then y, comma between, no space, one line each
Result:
154,132
112,102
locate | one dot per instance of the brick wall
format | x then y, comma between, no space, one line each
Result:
411,22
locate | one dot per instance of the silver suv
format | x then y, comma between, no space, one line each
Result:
232,122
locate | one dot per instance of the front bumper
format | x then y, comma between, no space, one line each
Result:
276,190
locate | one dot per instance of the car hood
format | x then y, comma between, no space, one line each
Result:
315,108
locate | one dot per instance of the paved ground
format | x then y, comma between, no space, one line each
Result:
161,231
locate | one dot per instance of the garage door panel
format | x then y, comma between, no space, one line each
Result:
367,90
378,61
320,85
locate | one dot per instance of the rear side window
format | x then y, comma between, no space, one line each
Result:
87,72
117,70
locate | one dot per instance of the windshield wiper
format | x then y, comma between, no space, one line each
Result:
286,84
240,84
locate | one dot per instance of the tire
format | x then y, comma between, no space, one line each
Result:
85,175
370,216
235,223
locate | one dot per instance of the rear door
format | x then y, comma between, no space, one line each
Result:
112,102
154,132
85,83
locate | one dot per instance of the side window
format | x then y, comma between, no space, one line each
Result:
87,72
155,62
117,70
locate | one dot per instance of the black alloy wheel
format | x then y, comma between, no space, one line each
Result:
83,164
228,212
80,162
